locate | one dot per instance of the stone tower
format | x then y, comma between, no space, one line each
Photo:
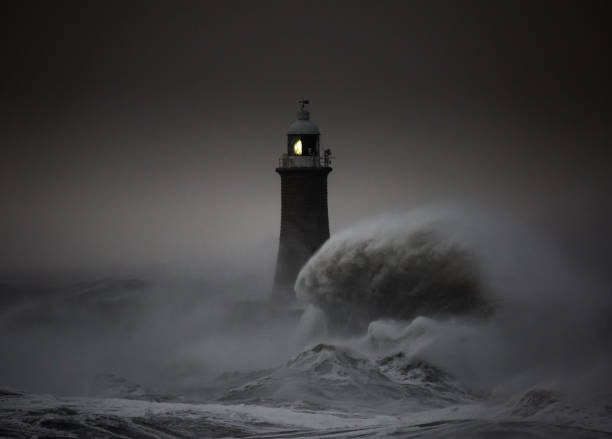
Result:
304,218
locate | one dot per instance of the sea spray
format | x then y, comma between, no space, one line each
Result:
435,273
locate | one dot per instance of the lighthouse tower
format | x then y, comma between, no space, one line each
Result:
304,218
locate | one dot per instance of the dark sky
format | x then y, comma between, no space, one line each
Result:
147,134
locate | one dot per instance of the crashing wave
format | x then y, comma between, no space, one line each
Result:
398,269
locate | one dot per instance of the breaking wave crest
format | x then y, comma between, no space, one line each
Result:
394,269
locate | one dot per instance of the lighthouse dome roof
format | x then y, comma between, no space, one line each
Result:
303,124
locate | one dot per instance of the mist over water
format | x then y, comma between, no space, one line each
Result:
432,309
162,334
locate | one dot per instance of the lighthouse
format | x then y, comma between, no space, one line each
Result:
304,218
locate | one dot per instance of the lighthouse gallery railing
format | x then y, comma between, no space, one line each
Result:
292,161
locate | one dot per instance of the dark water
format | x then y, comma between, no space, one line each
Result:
423,325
